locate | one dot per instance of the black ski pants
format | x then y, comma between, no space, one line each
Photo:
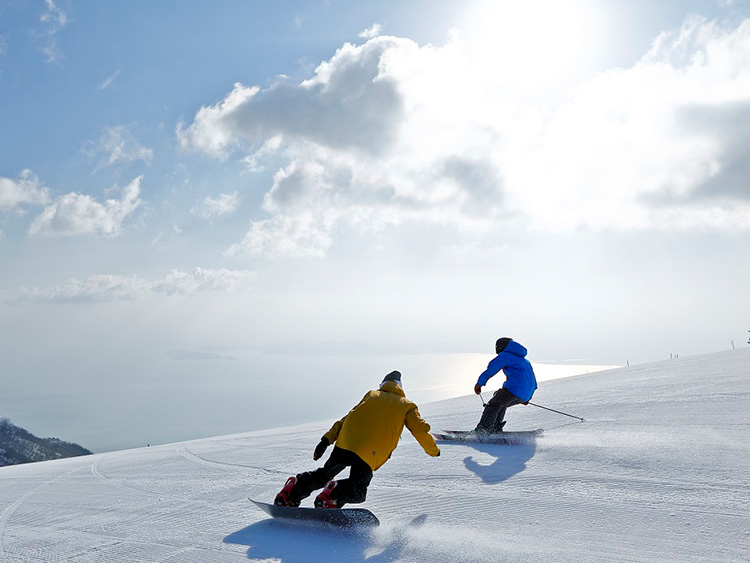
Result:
494,411
351,490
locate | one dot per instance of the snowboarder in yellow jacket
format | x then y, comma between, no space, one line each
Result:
365,439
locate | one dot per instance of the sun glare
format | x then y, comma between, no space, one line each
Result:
534,42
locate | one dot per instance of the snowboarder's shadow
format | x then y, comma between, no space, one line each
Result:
271,539
509,461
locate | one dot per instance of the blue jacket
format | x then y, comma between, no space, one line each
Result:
517,369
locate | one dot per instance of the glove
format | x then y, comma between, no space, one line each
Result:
320,449
477,389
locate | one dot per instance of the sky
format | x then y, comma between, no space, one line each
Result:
190,181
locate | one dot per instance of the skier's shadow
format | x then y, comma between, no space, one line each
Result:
290,542
509,461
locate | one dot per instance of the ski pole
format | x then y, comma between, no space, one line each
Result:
553,410
541,407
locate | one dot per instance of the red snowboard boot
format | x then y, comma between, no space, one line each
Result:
324,500
284,497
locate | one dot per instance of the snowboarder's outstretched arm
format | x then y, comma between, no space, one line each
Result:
421,432
333,434
320,449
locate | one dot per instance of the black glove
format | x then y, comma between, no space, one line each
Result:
320,449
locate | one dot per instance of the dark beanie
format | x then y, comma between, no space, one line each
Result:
502,343
393,376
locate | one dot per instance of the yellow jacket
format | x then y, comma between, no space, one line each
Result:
372,428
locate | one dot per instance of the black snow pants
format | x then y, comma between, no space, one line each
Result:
494,411
351,490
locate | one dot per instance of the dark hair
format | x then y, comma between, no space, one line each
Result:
502,343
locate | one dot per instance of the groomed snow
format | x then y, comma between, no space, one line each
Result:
659,471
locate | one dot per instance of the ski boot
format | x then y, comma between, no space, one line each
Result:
324,500
482,431
499,428
284,496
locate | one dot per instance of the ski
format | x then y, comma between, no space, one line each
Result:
504,438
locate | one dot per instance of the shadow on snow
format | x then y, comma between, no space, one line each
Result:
297,541
509,461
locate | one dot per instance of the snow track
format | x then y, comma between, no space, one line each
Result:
637,482
13,507
186,453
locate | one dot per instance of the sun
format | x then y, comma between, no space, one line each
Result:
532,42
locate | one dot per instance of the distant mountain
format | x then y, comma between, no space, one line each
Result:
21,446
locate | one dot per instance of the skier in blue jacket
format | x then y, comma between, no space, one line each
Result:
518,388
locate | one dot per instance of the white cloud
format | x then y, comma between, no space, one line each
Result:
348,104
109,80
54,19
202,280
98,287
109,287
372,31
389,131
637,148
117,144
214,130
269,147
171,234
298,235
78,215
211,208
53,15
25,190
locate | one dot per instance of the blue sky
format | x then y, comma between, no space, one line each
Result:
223,177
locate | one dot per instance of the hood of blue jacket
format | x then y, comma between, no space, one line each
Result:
515,348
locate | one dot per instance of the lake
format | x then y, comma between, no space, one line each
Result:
170,398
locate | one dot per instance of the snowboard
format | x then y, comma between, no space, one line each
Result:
344,517
504,438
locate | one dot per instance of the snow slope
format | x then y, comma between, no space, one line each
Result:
658,472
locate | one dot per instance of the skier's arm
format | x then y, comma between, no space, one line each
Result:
492,368
421,432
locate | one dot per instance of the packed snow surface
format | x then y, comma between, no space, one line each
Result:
658,471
